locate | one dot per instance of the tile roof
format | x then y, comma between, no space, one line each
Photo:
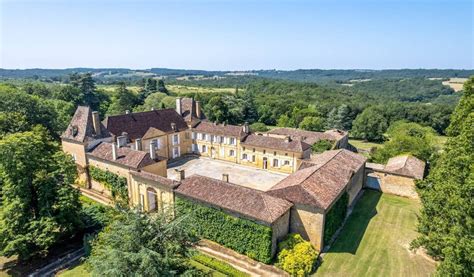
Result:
275,143
156,178
219,129
251,203
406,165
308,136
137,124
320,184
125,156
82,122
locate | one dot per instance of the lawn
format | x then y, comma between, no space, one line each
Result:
77,271
375,240
364,145
180,89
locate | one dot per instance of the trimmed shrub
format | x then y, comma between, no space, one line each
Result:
220,266
296,256
335,217
116,184
322,145
242,235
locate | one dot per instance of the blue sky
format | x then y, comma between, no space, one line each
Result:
237,35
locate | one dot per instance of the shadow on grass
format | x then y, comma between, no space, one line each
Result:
351,235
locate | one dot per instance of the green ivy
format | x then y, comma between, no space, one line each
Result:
116,184
335,217
242,235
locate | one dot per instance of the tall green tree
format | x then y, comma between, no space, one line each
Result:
161,87
138,244
446,221
370,125
38,205
122,100
339,118
312,123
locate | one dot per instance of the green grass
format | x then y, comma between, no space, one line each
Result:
77,271
375,240
364,145
180,89
217,265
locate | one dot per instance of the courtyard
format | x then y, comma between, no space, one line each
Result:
238,174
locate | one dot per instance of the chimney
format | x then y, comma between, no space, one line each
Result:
193,108
287,139
114,151
173,126
225,177
181,175
178,106
152,150
121,141
245,128
152,108
198,109
96,122
138,144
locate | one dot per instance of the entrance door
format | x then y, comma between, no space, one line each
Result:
265,163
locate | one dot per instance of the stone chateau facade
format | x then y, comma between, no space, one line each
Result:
139,146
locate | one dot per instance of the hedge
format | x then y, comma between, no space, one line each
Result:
219,266
296,256
242,235
116,184
335,217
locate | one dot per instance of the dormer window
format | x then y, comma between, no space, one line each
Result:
74,130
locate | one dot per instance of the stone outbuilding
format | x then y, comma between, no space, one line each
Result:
315,188
397,177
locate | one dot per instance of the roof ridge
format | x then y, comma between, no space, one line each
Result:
319,167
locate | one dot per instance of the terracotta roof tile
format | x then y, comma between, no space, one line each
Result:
250,203
219,129
137,124
81,129
156,178
321,181
125,156
406,165
275,143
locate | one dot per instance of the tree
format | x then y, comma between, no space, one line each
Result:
137,244
312,123
155,101
446,224
369,125
258,127
151,85
407,138
339,118
161,87
122,100
39,207
283,121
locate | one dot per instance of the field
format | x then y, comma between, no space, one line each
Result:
375,240
455,83
179,89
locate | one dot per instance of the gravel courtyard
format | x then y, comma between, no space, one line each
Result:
238,174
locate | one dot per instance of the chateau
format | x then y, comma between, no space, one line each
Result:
269,178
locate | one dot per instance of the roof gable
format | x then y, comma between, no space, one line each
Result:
81,128
406,165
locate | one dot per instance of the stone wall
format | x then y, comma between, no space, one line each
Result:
391,183
309,223
355,184
280,229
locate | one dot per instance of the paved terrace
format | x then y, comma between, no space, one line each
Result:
238,174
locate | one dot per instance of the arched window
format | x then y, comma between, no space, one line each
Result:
152,199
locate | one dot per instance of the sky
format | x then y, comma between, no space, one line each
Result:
237,35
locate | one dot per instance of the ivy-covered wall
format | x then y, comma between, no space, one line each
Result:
242,235
116,184
335,216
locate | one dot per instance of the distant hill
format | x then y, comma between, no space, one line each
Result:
304,75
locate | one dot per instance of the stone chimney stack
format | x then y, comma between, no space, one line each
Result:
225,177
287,139
138,144
178,106
173,126
122,141
96,122
114,151
245,128
152,150
198,109
182,175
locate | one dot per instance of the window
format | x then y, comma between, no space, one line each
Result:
287,162
221,139
193,135
204,149
200,136
243,148
232,141
176,139
204,136
157,143
274,153
187,135
286,154
264,151
222,152
211,138
231,153
253,158
244,156
195,148
275,162
142,202
175,152
253,150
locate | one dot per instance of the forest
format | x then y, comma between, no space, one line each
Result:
405,111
